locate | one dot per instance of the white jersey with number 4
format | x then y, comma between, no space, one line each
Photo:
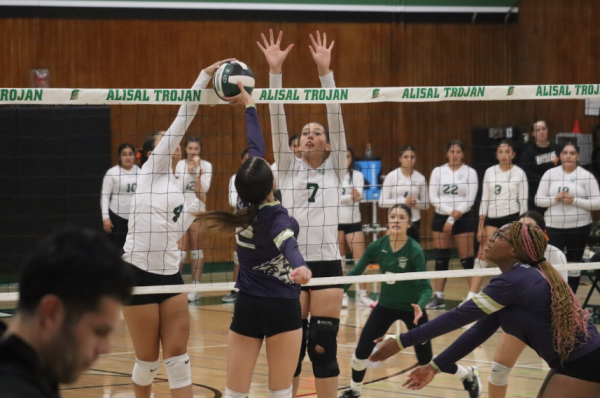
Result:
397,187
118,187
311,196
504,192
451,190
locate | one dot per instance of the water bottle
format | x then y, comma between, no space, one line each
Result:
369,152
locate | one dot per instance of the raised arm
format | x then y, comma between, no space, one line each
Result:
337,135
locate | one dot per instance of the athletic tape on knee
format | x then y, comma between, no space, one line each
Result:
322,346
442,259
144,372
179,371
359,364
302,347
499,374
196,254
468,263
480,264
287,393
234,394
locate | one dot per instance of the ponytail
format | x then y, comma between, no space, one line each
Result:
223,221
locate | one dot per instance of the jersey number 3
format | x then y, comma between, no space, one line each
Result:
315,188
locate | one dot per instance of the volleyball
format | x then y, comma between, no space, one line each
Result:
226,77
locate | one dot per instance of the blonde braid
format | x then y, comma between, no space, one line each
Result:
569,320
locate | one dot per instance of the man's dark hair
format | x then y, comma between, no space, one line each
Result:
80,267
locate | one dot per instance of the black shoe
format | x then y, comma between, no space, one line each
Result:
350,393
230,298
473,384
436,303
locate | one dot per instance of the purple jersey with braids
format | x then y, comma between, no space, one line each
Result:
267,250
519,301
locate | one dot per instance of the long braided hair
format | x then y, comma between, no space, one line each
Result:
569,320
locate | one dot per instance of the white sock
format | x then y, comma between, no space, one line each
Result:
439,295
462,372
361,292
356,387
287,393
471,295
234,394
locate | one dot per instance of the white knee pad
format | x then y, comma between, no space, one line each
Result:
480,264
287,393
234,394
196,254
499,374
179,371
144,372
358,364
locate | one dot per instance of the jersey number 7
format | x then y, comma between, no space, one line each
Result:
315,188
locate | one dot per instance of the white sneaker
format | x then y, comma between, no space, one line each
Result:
364,301
345,301
193,296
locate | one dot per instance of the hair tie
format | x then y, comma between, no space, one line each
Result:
541,260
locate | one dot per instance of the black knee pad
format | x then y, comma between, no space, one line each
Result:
322,346
302,347
442,259
468,263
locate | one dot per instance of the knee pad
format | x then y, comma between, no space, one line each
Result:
287,393
179,371
302,347
499,374
359,364
442,259
322,346
468,263
196,254
234,394
480,264
144,372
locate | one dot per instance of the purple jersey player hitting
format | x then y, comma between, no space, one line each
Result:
271,271
529,300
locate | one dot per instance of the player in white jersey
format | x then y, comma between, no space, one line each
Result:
233,198
294,143
118,186
350,227
504,198
509,348
186,171
160,215
405,185
310,189
570,193
452,192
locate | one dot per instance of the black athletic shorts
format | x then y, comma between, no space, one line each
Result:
324,269
260,317
145,278
467,223
501,221
584,368
350,228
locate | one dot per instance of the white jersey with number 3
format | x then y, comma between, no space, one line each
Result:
453,190
504,192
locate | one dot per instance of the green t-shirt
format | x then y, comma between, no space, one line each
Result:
397,295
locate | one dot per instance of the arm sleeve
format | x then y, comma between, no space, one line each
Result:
232,193
160,159
524,194
387,200
471,192
283,236
468,341
256,141
419,262
337,134
592,202
107,187
542,198
434,196
423,200
284,157
206,178
485,194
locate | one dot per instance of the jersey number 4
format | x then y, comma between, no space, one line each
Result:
315,188
177,211
450,189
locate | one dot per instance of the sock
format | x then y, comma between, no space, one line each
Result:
462,372
361,292
234,394
471,295
439,295
356,387
287,393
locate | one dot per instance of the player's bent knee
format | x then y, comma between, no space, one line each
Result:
144,372
302,347
196,254
179,371
442,259
468,263
499,374
322,346
359,364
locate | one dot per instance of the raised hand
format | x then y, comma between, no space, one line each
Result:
272,51
301,275
210,70
420,377
321,53
243,98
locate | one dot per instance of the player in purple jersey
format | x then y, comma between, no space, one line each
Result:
529,300
271,272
